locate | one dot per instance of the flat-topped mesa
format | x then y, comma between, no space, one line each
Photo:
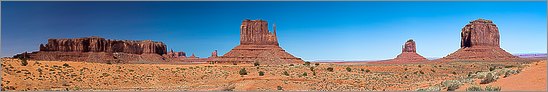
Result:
255,32
480,32
480,39
257,44
97,44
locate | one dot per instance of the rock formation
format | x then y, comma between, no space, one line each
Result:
257,44
96,49
480,40
172,54
97,44
409,53
193,56
214,54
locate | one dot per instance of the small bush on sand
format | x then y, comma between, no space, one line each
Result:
491,77
348,69
311,68
474,88
286,73
66,65
261,73
305,74
279,88
367,70
330,69
317,64
490,88
243,71
306,63
451,85
24,62
291,65
432,88
492,68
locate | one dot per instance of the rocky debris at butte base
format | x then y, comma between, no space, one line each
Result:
480,40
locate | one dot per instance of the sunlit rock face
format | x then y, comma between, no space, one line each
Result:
480,39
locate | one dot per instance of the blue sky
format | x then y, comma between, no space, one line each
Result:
310,30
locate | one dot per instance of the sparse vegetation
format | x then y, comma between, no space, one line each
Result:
367,71
474,88
243,71
279,88
305,74
490,88
451,85
24,62
348,69
330,69
306,63
286,73
261,73
317,64
490,77
66,65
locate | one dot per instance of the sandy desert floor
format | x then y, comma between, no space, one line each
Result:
63,75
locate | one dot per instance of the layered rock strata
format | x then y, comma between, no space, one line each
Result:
257,44
480,39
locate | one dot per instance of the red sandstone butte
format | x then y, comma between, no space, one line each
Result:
409,53
96,49
257,44
480,40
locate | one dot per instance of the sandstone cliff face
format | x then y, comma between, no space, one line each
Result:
409,46
255,32
480,32
480,40
97,44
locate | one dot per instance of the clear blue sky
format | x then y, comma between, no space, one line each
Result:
310,30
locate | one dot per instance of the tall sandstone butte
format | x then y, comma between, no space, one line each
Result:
480,39
409,53
96,49
257,44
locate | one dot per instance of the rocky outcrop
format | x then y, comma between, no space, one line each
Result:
214,54
480,39
409,53
172,54
96,49
97,44
257,44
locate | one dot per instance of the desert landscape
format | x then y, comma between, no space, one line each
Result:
258,63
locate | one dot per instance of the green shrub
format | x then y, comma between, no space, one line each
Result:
306,63
286,74
66,65
305,74
291,65
330,69
489,78
279,88
311,68
317,64
367,70
243,71
474,88
261,73
451,85
492,68
432,88
348,69
24,62
490,88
